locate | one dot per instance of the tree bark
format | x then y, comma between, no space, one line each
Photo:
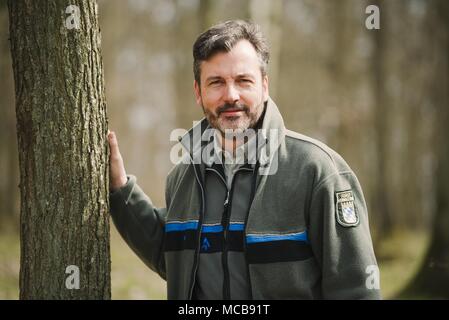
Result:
63,151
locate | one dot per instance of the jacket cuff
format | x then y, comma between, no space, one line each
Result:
124,192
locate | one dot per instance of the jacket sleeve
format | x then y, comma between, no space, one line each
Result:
140,223
340,238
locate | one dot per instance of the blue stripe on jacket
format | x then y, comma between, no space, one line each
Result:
253,238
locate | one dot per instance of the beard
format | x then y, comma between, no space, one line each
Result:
245,120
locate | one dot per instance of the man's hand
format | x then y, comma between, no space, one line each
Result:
117,173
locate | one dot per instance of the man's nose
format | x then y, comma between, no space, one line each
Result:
231,94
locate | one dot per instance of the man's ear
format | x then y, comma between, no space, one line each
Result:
266,92
197,90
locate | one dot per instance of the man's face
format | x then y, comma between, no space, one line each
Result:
232,91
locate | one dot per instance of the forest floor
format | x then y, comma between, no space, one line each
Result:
399,258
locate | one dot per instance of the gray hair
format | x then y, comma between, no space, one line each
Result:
223,37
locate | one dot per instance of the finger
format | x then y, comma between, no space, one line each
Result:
113,144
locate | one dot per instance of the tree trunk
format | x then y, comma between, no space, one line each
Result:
63,151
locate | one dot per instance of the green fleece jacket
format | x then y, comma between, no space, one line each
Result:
306,235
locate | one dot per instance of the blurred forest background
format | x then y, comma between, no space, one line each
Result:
375,96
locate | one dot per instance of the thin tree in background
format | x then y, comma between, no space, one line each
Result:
207,14
268,14
432,280
9,168
382,201
61,130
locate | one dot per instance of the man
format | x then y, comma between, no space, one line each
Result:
287,220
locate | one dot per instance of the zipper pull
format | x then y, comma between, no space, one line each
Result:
227,199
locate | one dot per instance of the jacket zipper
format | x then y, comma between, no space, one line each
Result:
224,259
253,193
225,222
200,222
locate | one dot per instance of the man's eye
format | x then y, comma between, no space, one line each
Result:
245,80
216,82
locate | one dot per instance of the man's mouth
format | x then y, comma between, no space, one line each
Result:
232,112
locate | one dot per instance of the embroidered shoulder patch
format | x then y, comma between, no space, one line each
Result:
346,212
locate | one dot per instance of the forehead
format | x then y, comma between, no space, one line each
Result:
242,58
